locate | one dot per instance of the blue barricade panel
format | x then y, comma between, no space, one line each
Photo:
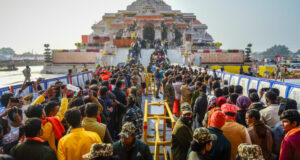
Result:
244,81
234,80
90,75
263,84
227,77
294,93
253,84
74,80
81,81
282,88
85,77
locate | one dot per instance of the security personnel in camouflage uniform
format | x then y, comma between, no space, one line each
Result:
169,92
134,115
250,152
99,151
138,90
130,148
182,134
201,136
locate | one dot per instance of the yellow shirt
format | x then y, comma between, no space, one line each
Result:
72,146
48,133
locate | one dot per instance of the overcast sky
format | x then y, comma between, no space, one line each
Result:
25,25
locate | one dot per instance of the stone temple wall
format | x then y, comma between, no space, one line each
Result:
74,57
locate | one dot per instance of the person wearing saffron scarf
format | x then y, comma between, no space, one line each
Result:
52,127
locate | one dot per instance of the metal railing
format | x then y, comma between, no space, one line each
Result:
157,143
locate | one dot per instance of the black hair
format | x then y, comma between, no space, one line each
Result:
105,83
218,92
5,98
254,97
77,102
73,117
231,89
4,124
275,90
230,114
35,111
197,147
50,106
238,89
291,115
87,82
103,90
178,78
216,85
94,81
32,127
82,110
188,81
119,84
13,112
271,96
198,83
113,81
234,97
225,91
91,109
94,88
252,90
225,82
291,104
254,113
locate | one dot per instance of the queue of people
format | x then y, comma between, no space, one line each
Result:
104,120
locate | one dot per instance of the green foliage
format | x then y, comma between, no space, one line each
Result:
7,51
47,53
248,52
275,50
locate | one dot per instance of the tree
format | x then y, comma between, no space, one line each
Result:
248,52
47,53
7,51
277,50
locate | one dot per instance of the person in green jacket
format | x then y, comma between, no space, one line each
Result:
34,147
130,148
182,134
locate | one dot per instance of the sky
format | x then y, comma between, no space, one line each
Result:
25,25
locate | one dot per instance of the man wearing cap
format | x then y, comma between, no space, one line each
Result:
201,144
233,131
138,89
182,133
130,148
169,93
200,106
100,151
221,147
248,151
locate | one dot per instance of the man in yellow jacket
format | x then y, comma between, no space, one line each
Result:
48,128
78,142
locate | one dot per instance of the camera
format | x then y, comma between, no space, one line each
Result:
29,83
14,100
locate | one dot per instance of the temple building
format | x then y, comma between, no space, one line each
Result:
146,20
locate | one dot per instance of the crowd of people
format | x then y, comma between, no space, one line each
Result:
104,119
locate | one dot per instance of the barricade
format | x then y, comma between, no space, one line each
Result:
157,143
150,84
287,90
77,80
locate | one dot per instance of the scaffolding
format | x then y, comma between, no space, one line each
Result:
157,143
150,84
